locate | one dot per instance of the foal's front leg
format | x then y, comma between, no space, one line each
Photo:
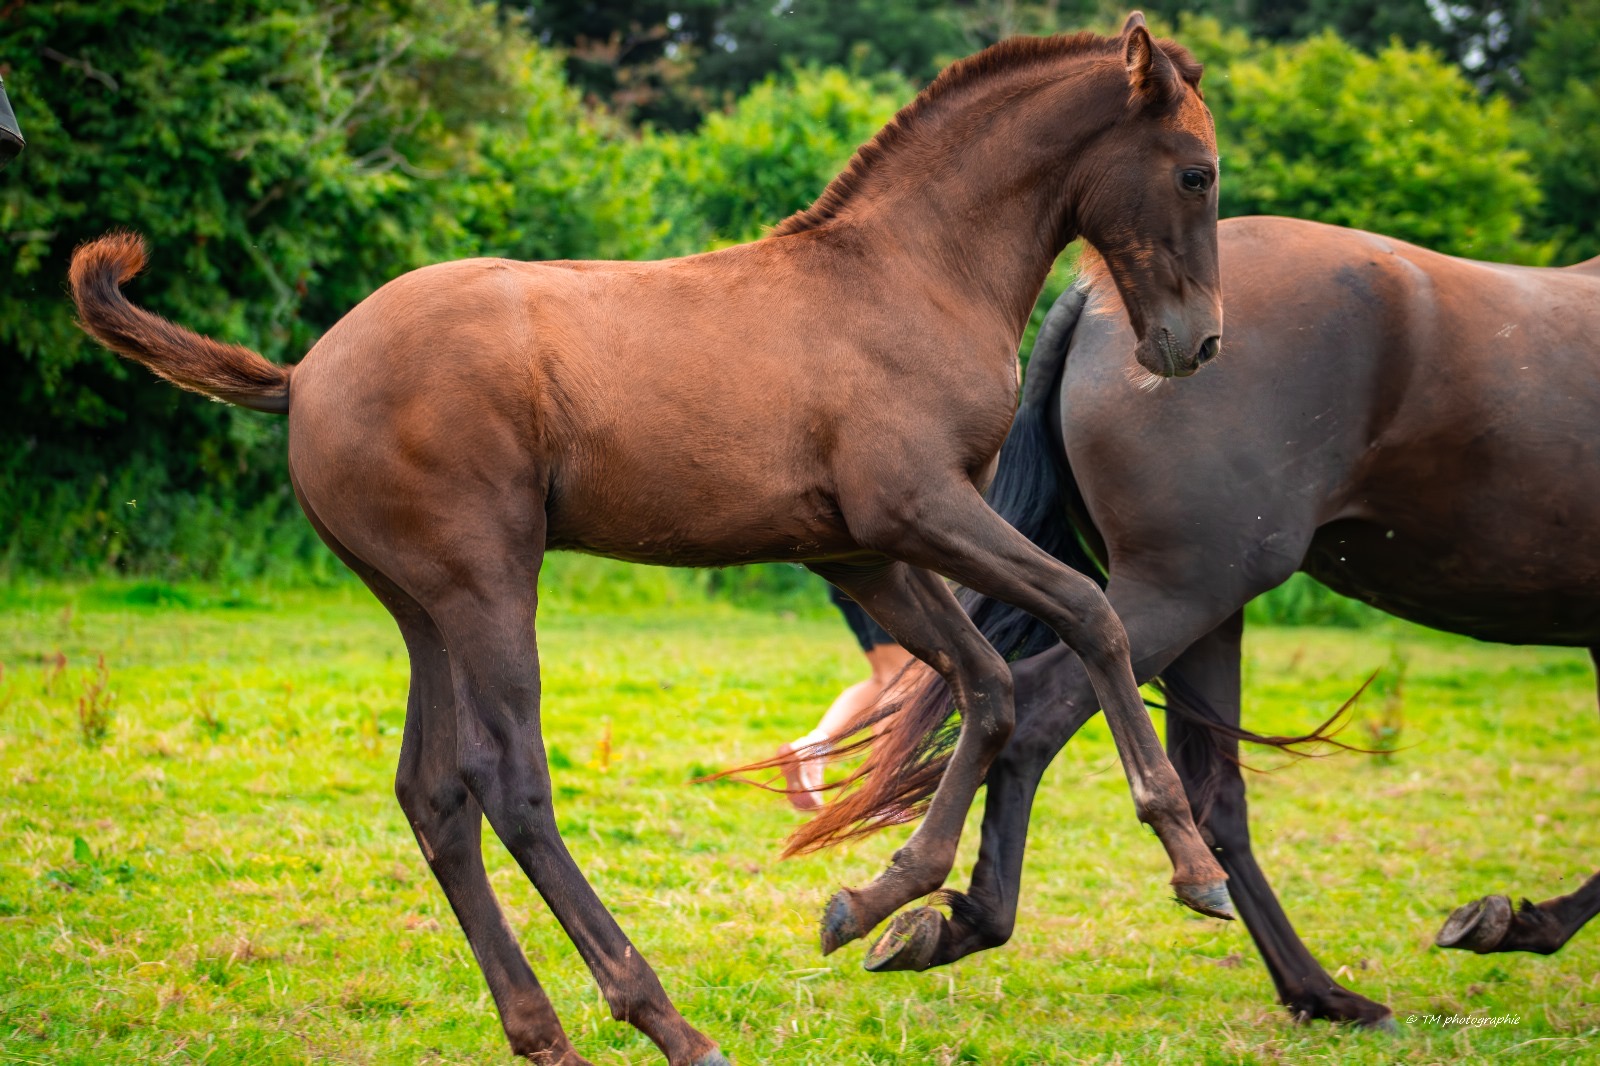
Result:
921,613
956,534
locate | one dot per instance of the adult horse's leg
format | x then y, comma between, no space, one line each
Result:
957,535
1208,672
1053,699
447,821
1493,924
486,616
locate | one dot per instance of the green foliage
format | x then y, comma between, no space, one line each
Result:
1305,601
1560,125
768,156
1485,38
670,63
285,158
1396,143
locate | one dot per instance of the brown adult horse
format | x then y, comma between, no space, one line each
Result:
1414,430
763,402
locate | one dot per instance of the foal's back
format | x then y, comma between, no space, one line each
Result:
740,392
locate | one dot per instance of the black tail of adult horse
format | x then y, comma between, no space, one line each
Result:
1035,492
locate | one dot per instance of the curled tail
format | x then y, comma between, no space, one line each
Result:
907,755
225,372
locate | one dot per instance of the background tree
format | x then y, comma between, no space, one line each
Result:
1560,125
1485,38
284,161
1397,143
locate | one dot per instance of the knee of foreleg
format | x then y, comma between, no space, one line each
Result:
427,797
497,778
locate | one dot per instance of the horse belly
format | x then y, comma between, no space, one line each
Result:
676,517
1510,589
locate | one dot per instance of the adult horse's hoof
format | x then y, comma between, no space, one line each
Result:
908,944
1210,899
713,1058
839,923
1479,926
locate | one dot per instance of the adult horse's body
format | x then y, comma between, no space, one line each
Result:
764,402
1414,430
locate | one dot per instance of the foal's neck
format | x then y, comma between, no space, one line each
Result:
984,196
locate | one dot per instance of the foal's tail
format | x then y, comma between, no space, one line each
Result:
907,756
225,372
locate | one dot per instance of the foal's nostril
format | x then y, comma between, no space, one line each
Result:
1208,350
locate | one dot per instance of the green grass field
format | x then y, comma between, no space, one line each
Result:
226,877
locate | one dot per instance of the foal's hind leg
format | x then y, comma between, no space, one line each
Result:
921,613
957,535
447,822
486,616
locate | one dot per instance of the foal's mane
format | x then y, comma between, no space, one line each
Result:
1012,55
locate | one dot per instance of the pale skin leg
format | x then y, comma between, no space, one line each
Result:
885,661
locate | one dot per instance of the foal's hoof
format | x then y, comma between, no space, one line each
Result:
839,923
908,944
713,1058
1478,926
1210,899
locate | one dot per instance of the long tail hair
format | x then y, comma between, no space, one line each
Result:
225,372
915,723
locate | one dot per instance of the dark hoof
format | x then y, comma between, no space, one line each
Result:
1210,899
1385,1024
1479,926
909,943
713,1058
839,923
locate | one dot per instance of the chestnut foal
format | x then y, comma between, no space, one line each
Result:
770,401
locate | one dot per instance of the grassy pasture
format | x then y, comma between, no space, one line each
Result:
225,877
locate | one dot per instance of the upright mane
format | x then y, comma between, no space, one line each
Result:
1009,56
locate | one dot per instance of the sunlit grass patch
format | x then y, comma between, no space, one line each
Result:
227,877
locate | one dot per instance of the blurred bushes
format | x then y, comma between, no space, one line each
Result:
285,159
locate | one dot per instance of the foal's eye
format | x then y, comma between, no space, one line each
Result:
1195,180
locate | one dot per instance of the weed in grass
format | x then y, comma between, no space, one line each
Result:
55,669
96,705
209,724
1383,732
286,723
602,750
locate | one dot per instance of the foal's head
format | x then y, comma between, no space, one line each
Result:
1149,206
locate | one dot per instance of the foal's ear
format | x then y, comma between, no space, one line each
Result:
1150,72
